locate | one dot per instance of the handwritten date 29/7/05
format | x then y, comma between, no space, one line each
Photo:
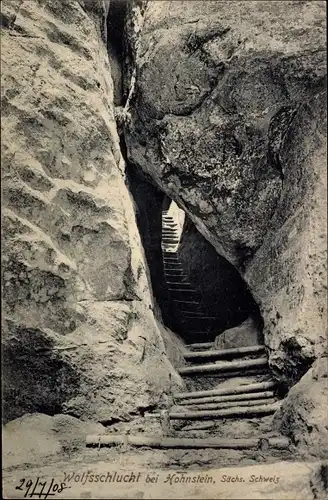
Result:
40,489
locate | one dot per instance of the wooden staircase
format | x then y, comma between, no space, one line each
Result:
223,384
186,299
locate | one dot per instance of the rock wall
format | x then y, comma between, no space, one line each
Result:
79,332
303,415
289,272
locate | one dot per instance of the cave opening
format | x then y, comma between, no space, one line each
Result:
200,294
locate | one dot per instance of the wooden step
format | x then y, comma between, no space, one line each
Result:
248,396
232,398
244,373
224,367
183,293
238,389
231,404
257,443
185,303
183,312
237,411
224,353
201,345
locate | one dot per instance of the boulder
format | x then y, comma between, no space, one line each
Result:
288,274
36,438
303,414
246,334
79,332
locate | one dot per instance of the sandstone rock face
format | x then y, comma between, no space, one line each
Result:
303,414
288,275
228,119
79,333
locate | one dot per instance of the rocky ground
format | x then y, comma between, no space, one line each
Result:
59,444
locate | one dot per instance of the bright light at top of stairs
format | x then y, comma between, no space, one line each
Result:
178,217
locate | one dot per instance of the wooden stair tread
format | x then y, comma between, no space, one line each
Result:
223,367
230,404
237,411
221,353
238,389
201,345
247,396
259,442
178,283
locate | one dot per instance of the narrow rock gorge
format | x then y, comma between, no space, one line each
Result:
164,187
